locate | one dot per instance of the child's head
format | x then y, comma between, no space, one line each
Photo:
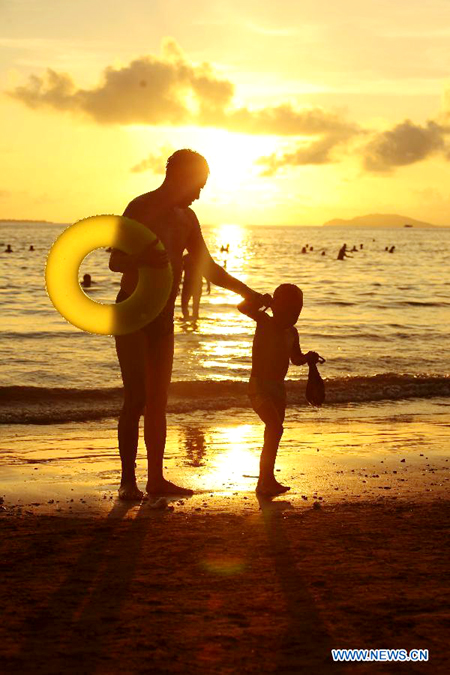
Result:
287,304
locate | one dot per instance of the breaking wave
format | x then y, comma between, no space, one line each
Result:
39,405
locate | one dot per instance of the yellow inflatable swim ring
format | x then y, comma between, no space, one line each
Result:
62,272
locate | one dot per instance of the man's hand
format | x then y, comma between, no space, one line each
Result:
266,300
151,257
313,357
259,299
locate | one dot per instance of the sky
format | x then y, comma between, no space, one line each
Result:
305,110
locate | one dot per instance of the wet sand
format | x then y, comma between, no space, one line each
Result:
396,450
356,555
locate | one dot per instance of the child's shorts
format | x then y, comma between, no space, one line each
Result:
263,391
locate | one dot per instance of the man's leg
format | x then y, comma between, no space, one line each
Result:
131,354
158,375
185,297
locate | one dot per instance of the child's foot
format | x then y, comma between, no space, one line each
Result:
129,492
165,487
270,487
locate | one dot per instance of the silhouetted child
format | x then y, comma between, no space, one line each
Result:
276,342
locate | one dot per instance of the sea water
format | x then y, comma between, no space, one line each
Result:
375,315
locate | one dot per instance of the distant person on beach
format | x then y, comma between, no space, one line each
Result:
87,281
146,355
276,342
192,287
343,253
8,249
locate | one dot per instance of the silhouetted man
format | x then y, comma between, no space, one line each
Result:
146,356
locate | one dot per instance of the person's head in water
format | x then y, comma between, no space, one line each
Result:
287,304
186,174
87,281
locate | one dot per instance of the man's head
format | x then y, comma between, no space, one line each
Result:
186,174
287,304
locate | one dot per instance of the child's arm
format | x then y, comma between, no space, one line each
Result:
297,356
253,309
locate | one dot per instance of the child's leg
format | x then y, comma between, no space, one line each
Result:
273,416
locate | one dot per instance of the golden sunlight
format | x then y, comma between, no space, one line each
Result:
238,461
231,157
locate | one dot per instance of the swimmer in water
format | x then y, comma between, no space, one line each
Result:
343,253
276,342
87,281
8,249
192,287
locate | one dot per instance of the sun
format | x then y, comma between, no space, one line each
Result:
231,158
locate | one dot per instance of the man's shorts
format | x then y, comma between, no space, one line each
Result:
262,391
160,327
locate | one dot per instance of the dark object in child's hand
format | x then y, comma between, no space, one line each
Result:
315,387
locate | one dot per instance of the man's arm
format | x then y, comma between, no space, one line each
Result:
124,262
209,268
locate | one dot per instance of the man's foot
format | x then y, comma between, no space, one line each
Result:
165,487
270,487
129,492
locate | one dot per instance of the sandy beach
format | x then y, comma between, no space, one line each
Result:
263,592
355,555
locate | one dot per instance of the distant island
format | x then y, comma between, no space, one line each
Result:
17,220
378,220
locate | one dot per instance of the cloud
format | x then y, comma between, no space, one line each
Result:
169,90
155,162
149,90
318,152
55,89
282,120
407,143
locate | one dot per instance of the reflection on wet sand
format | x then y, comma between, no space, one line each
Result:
194,446
340,454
